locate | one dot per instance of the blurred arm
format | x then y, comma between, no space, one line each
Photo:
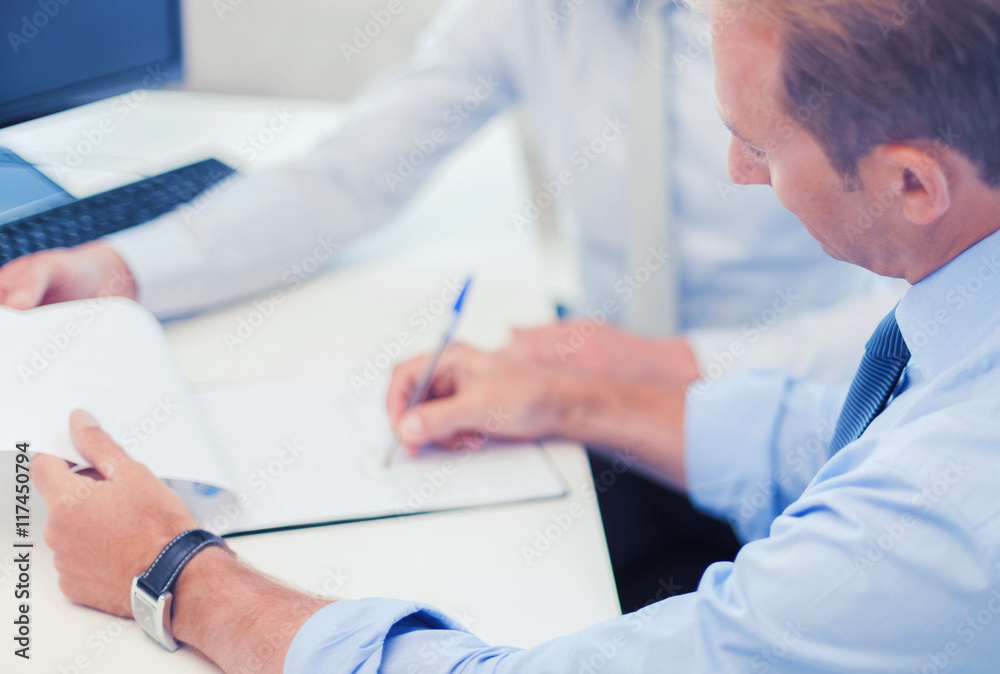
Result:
275,227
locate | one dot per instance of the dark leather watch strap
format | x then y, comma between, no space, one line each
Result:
162,573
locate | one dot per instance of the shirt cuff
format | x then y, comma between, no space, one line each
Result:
348,636
730,427
723,351
163,256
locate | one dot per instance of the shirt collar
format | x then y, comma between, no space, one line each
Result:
948,314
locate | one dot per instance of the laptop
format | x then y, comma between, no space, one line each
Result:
56,55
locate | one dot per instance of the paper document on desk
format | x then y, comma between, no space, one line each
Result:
312,452
110,357
246,457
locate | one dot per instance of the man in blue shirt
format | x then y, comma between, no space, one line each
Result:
871,515
578,71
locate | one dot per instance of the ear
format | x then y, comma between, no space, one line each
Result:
925,191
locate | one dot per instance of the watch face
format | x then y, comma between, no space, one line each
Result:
144,613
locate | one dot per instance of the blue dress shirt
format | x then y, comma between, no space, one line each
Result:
885,558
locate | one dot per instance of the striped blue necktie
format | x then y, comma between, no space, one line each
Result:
885,357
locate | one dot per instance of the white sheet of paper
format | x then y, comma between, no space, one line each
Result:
283,454
108,356
311,452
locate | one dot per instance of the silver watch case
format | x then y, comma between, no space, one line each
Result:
153,615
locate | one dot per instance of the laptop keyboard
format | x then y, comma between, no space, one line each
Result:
109,212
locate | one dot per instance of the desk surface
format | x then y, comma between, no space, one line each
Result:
472,564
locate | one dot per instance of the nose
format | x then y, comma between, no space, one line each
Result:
742,169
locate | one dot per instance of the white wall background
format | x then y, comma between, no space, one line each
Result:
292,47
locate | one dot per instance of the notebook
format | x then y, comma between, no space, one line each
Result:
245,457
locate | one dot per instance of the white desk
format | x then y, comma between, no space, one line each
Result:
469,563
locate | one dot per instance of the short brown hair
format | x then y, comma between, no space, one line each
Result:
897,70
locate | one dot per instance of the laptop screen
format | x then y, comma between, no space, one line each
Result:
57,54
25,191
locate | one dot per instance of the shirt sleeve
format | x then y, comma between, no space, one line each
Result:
357,635
272,228
753,442
851,578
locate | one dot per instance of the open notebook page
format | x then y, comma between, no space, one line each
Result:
311,452
109,357
282,455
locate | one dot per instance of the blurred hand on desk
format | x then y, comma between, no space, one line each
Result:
605,350
65,274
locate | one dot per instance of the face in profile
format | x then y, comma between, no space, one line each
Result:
769,146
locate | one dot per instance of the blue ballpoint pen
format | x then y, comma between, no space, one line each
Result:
425,383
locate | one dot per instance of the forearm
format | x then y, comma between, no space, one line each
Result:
645,419
236,617
274,230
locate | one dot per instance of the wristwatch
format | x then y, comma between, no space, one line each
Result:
151,597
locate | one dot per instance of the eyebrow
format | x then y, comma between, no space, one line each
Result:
732,128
